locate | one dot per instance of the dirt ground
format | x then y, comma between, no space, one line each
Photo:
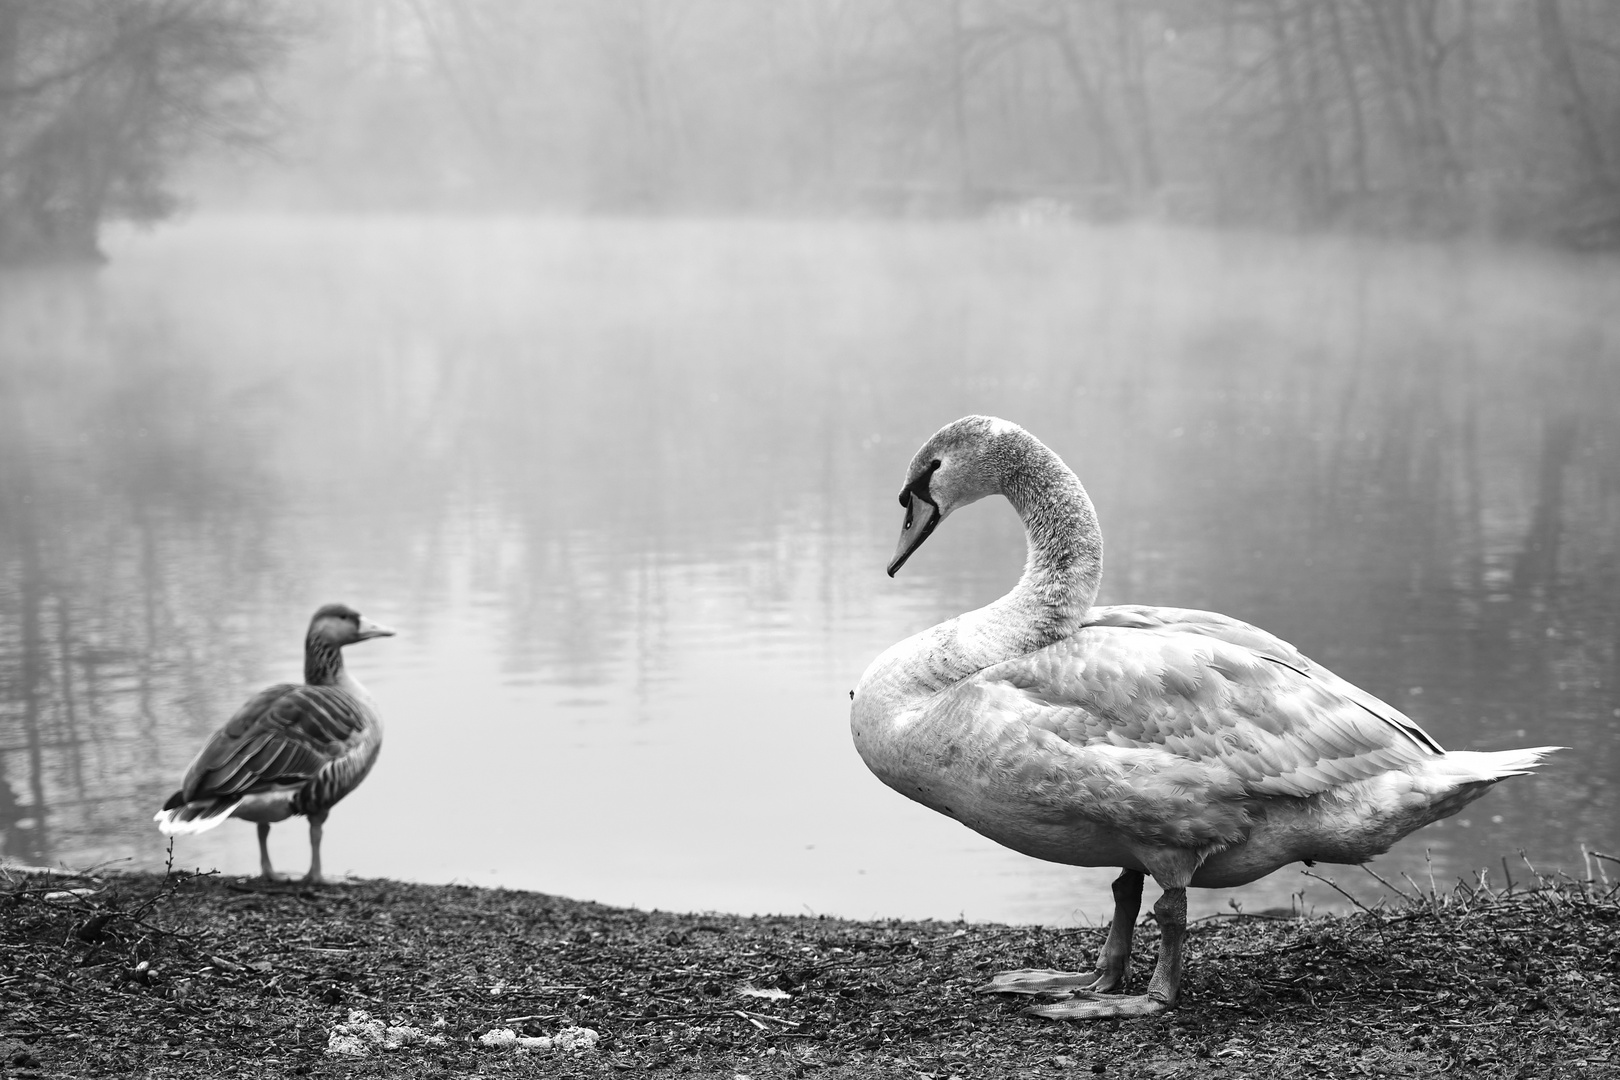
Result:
197,976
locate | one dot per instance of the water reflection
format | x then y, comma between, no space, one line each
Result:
128,499
627,491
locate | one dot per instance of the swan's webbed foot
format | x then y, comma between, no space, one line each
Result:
1045,982
1089,1006
1112,961
1091,1001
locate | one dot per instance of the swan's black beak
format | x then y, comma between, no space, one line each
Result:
921,517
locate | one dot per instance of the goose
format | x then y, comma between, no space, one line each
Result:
1178,743
290,749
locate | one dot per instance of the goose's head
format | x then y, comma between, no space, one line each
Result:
958,465
340,624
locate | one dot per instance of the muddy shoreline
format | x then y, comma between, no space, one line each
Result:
188,976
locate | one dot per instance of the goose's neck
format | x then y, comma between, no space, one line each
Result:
1064,567
323,663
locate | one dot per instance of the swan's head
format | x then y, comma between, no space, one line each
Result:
340,624
956,466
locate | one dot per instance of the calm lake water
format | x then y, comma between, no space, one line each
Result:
626,491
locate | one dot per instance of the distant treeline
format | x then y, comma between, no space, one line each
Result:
1430,116
101,99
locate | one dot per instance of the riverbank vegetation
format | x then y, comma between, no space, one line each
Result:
102,101
1398,116
197,976
1406,117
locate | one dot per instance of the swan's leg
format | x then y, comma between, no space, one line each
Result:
1112,960
1115,959
1164,989
264,852
316,820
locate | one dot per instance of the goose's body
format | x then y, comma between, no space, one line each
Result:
1165,741
291,749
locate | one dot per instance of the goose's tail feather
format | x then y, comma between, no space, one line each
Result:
194,817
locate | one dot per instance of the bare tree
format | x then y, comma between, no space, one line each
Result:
1375,114
1573,103
102,98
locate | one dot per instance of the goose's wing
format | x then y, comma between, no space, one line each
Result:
282,738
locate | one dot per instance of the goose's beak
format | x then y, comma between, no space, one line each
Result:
369,629
921,517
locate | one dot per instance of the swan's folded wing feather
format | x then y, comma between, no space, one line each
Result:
1262,643
281,738
1269,723
1206,623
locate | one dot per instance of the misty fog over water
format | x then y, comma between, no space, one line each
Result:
626,490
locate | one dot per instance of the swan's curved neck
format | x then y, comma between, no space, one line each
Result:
323,663
1064,567
1049,603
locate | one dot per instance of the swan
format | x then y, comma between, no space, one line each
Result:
291,749
1165,741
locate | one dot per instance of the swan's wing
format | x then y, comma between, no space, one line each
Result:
280,739
1197,704
1234,632
1208,623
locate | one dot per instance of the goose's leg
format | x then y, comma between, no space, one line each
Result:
264,852
316,820
1112,960
1164,989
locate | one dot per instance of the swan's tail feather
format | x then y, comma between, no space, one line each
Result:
1440,786
1479,765
194,817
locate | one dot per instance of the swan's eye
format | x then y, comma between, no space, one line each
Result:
920,485
918,488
